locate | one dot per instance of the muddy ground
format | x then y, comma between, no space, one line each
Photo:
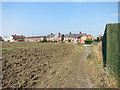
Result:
37,65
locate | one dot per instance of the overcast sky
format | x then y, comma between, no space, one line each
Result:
38,18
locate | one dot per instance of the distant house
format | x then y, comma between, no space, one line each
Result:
14,38
75,38
99,37
1,39
50,37
59,37
34,38
69,37
82,38
90,37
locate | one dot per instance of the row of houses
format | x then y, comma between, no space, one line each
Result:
76,38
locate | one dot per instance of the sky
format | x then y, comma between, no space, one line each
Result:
43,18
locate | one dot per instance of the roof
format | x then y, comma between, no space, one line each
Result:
35,37
49,36
73,35
17,36
57,35
89,35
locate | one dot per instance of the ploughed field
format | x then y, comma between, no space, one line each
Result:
35,64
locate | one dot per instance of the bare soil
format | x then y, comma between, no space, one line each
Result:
37,65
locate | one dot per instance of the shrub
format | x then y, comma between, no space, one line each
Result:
89,55
88,41
55,41
43,41
97,40
69,40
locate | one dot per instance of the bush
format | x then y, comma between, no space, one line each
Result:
69,40
48,41
55,41
89,55
97,40
8,40
88,41
43,41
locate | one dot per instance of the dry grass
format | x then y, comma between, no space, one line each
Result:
100,76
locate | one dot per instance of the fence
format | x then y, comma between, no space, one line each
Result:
111,48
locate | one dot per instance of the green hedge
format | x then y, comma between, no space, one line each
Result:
111,50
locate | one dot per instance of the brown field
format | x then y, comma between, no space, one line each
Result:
34,64
51,65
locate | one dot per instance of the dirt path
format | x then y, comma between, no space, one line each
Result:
79,77
71,74
82,79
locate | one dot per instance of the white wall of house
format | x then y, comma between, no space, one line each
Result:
8,38
41,39
75,40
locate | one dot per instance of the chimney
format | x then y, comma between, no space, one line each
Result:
51,34
79,32
70,33
58,33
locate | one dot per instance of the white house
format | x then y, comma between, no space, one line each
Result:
14,38
75,40
8,38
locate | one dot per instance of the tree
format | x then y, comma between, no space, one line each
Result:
44,40
69,40
88,41
97,40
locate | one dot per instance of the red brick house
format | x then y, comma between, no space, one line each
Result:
34,38
16,38
82,38
90,37
58,37
100,37
69,37
50,37
76,38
